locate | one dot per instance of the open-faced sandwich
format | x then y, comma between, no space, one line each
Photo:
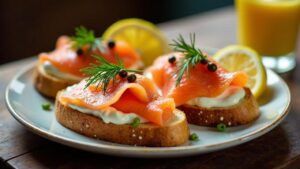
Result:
60,68
118,105
208,94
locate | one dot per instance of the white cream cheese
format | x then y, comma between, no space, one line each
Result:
51,70
110,115
229,97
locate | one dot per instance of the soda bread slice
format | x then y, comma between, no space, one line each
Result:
246,111
174,133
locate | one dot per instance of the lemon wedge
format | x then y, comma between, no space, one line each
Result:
144,36
241,58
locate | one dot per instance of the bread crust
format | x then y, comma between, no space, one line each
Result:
246,111
173,134
49,85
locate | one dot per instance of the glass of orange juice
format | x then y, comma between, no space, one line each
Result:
270,27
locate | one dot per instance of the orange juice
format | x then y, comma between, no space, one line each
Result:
268,26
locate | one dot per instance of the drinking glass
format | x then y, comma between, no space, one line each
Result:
270,27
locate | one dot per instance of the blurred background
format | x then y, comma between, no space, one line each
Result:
30,27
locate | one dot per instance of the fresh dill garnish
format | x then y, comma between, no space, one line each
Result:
102,73
83,37
193,56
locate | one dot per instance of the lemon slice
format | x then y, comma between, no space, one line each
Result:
144,36
241,58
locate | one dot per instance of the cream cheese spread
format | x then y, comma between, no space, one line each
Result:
229,97
110,115
51,70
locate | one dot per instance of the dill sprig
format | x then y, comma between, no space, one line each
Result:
102,73
83,37
193,56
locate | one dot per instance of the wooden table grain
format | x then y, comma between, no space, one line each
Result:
279,148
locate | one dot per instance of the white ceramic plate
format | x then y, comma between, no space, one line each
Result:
24,103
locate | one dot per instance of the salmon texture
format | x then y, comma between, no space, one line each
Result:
66,59
140,97
198,82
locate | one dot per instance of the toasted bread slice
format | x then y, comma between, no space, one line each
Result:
175,132
49,85
246,111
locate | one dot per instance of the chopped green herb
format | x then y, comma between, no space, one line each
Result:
194,137
46,106
221,127
136,122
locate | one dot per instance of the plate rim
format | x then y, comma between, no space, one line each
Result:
148,151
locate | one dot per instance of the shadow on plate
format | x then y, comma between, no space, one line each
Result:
266,96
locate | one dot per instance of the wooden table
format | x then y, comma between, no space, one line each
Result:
279,148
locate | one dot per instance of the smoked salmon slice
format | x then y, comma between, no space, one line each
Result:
65,58
198,82
140,97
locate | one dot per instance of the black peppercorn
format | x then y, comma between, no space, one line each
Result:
79,52
212,67
203,61
111,44
172,59
131,78
123,73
